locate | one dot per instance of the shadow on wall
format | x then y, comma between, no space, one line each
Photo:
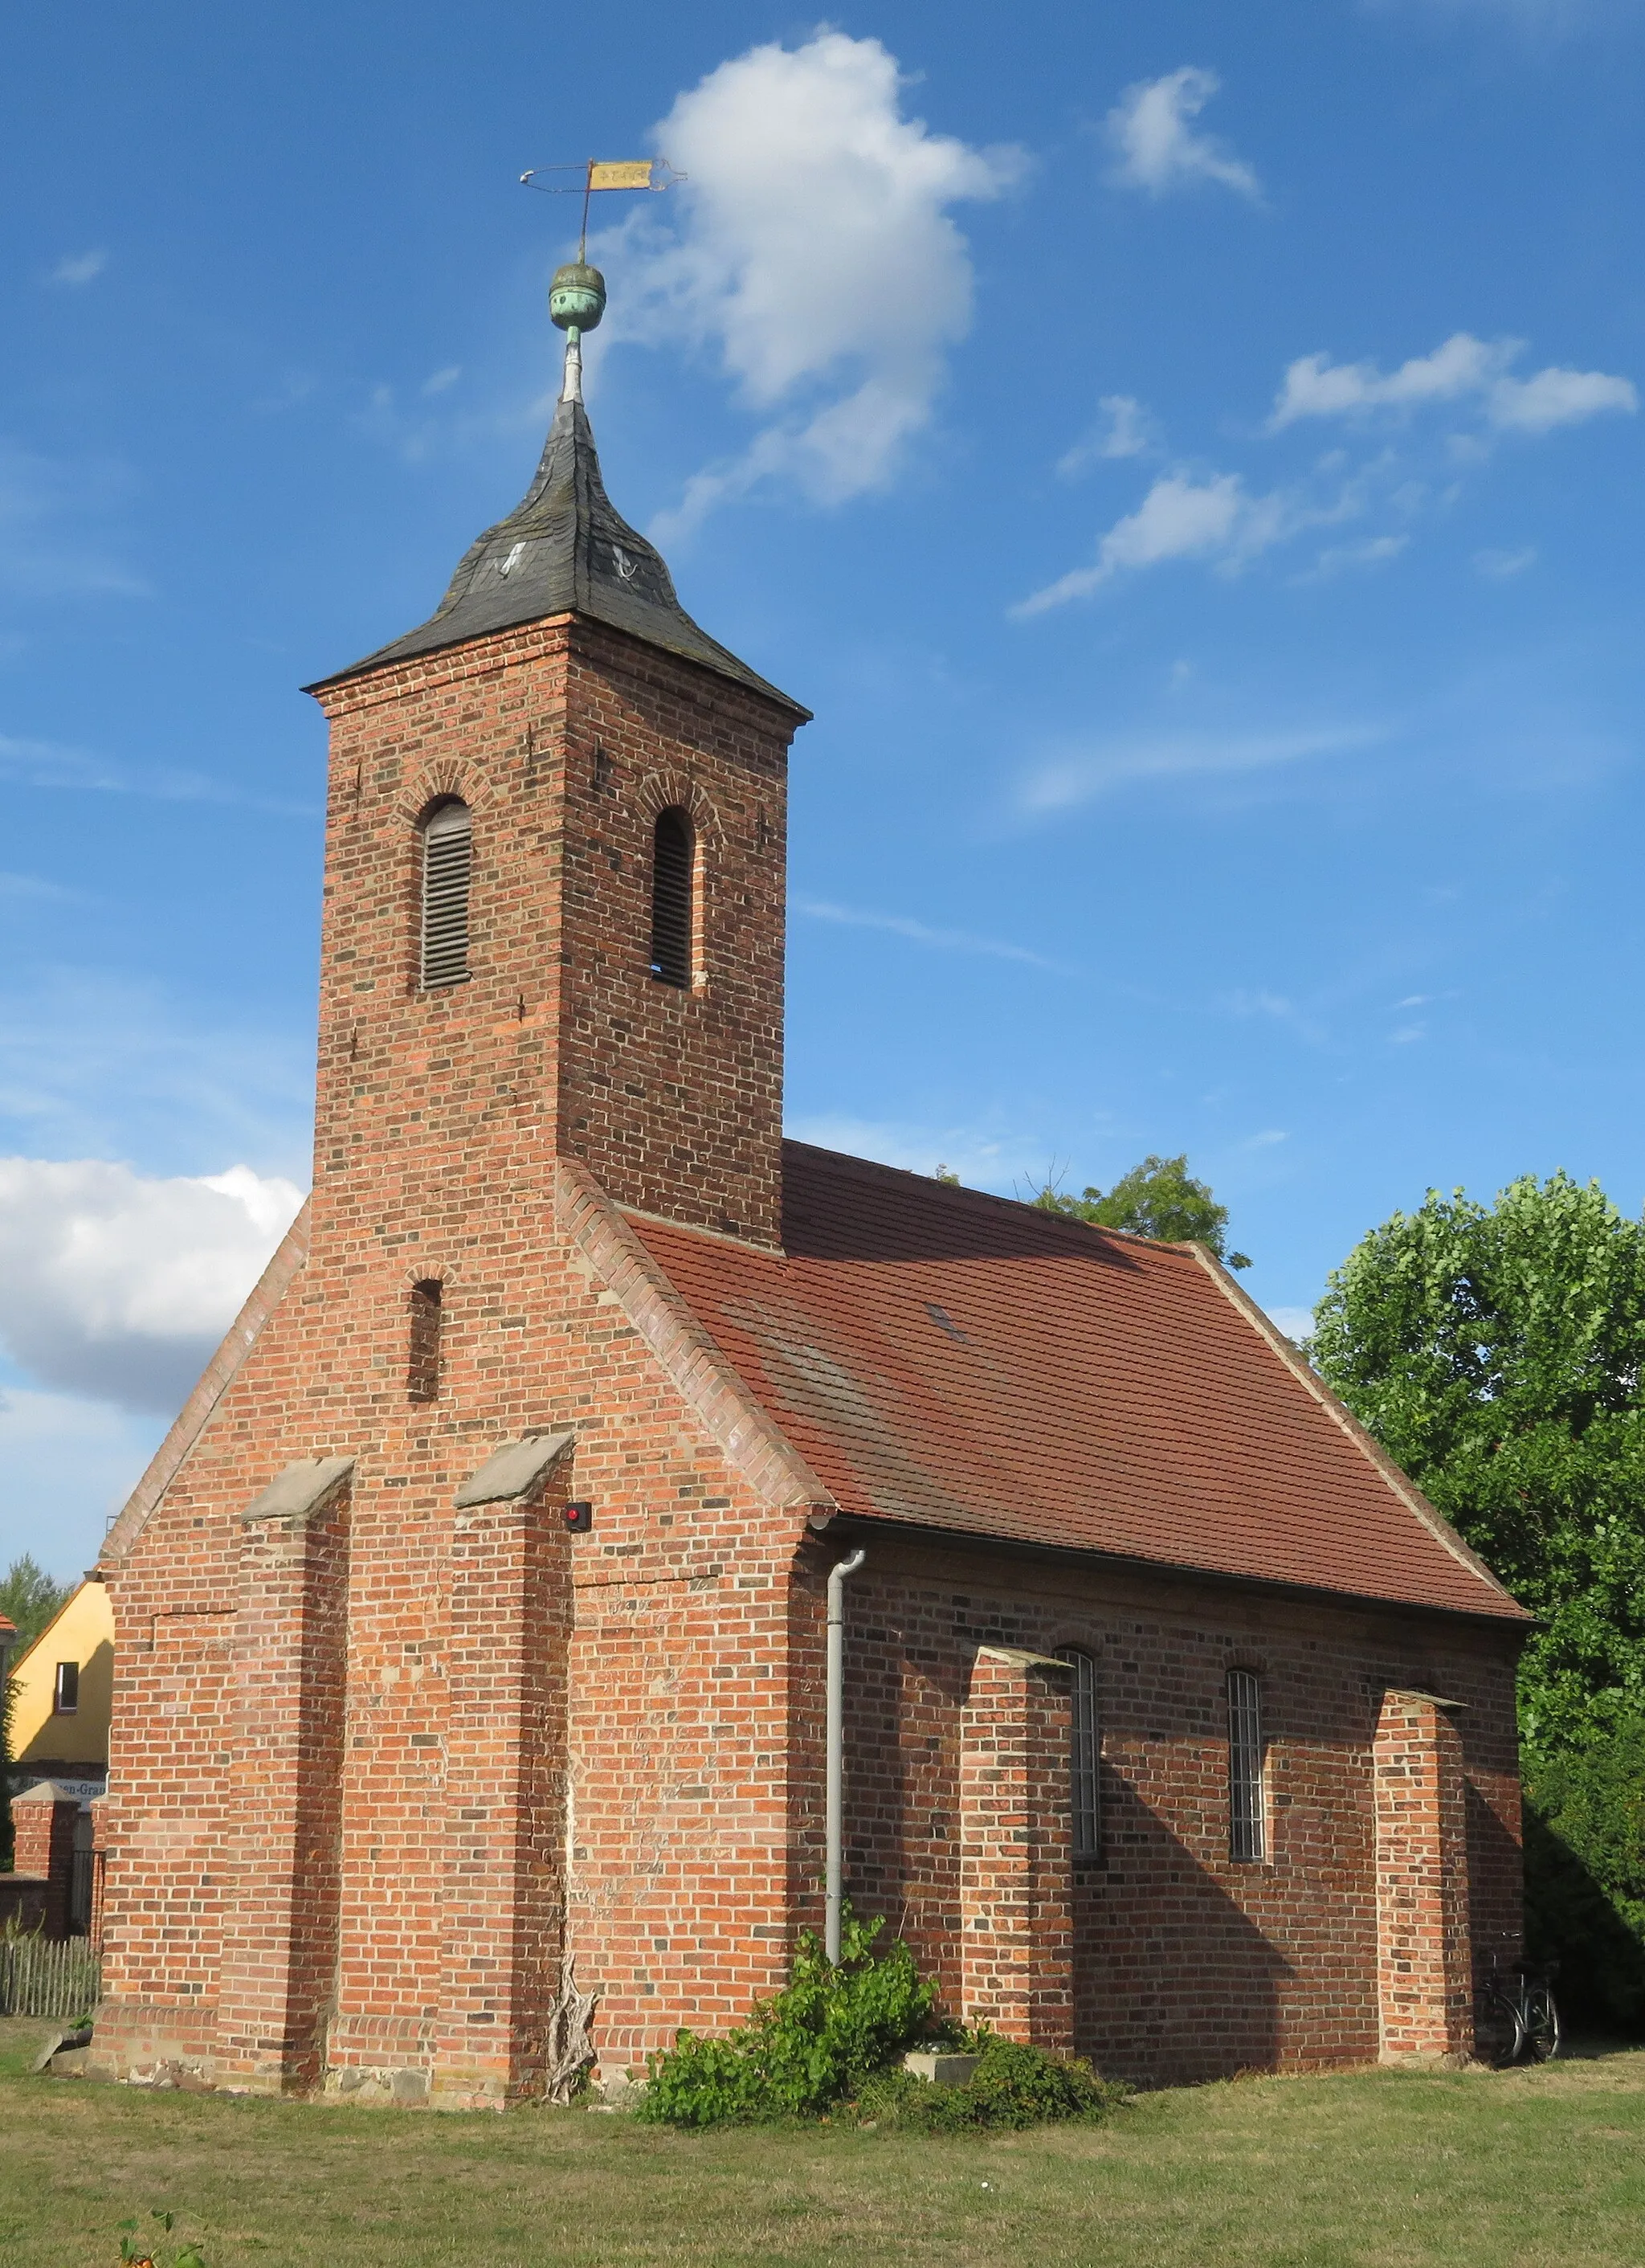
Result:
1172,1983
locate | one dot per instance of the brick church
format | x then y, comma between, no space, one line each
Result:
470,1659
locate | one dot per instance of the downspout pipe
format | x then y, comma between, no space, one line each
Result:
836,1751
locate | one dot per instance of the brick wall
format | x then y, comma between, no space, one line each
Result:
1187,1963
44,1850
1016,1938
1424,1956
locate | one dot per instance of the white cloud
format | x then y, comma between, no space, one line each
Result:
1217,520
1373,552
1268,1139
1082,776
118,1286
1126,430
945,940
813,250
1151,128
1557,397
1297,1324
1464,369
443,380
66,1464
1502,565
49,764
77,268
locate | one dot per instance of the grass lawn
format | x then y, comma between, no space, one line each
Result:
1364,2167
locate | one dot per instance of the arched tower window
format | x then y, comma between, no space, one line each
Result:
422,1367
673,857
447,855
1085,1754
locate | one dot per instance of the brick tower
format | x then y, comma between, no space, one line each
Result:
552,944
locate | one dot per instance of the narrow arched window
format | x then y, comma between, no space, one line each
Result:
447,855
1247,1836
422,1367
1084,1754
673,856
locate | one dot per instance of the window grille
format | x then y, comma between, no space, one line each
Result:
66,1692
1085,1754
447,857
422,1370
1246,1825
672,856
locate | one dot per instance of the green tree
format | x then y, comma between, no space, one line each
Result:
1160,1197
29,1598
1496,1352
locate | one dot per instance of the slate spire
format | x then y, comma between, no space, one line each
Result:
565,549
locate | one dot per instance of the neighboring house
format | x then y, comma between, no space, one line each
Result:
470,1618
64,1683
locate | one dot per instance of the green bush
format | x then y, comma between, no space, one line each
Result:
820,2038
1585,1872
1012,2086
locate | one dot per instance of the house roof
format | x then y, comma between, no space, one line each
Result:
957,1361
563,550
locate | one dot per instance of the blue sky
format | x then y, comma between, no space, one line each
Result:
1188,459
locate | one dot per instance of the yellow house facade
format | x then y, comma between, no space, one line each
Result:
64,1695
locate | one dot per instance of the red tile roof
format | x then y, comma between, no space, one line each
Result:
965,1362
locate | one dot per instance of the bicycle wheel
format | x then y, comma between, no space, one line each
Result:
1542,2023
1499,2028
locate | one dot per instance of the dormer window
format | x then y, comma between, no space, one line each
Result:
447,857
674,857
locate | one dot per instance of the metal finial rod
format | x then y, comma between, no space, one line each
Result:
571,385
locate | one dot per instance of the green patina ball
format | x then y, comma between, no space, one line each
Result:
576,297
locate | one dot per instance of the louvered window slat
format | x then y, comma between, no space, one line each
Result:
447,859
672,856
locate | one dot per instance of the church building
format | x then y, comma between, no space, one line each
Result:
470,1696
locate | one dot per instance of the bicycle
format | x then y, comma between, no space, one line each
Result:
1517,2016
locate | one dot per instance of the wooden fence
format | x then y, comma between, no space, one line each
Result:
41,1979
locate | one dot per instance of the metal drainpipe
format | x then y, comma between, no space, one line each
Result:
836,1750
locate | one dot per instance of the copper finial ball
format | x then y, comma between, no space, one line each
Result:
576,297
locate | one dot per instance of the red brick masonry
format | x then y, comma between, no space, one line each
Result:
379,1768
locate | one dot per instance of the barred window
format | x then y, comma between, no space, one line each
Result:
423,1371
1246,1826
447,857
673,855
1085,1754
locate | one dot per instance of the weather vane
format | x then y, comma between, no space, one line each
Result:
576,295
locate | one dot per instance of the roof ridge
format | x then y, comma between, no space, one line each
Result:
952,1190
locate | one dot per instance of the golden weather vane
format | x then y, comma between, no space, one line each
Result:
602,173
576,295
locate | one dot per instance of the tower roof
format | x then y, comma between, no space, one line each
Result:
564,549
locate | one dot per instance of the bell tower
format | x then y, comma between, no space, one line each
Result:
555,874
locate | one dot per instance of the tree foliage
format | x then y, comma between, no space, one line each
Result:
29,1598
1498,1353
1495,1352
1161,1198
